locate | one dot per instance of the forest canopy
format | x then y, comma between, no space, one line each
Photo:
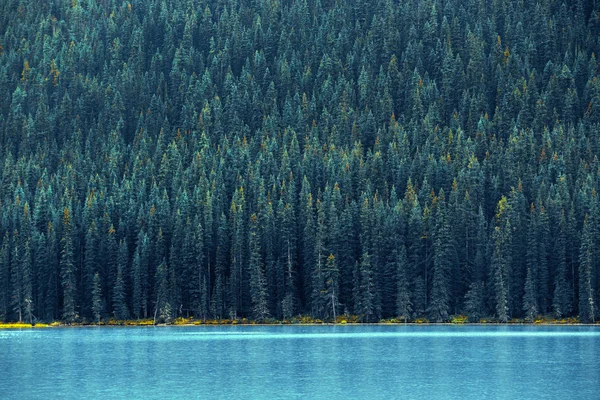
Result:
266,159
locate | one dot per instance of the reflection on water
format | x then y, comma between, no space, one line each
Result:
323,362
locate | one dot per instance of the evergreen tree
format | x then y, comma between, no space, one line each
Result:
403,302
199,277
16,277
233,106
331,275
67,269
4,278
587,308
501,261
97,303
562,299
90,266
120,309
258,283
475,301
530,300
318,279
140,278
367,308
28,304
443,248
162,307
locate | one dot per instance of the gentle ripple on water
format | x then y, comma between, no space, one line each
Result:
316,362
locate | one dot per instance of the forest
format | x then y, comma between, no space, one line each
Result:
266,159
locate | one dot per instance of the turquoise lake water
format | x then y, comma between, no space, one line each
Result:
306,362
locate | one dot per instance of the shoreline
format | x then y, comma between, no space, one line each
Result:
187,324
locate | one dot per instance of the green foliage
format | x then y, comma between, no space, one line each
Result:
162,306
67,269
120,309
475,301
501,260
403,302
137,145
258,284
97,303
444,256
586,294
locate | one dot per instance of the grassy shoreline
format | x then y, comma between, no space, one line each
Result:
300,321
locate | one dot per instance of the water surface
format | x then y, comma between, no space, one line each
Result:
317,362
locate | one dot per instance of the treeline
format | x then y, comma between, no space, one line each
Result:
265,158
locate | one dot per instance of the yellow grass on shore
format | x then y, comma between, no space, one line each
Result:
299,320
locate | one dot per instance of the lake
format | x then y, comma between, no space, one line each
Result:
312,362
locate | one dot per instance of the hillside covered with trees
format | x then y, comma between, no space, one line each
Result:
266,159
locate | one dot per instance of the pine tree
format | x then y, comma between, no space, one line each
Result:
90,266
530,298
444,255
199,278
530,306
110,249
162,307
237,259
4,278
330,294
419,297
137,284
67,269
16,279
53,276
219,304
586,293
403,302
562,299
475,301
318,281
501,260
97,303
120,309
543,278
308,248
289,246
367,308
258,283
28,305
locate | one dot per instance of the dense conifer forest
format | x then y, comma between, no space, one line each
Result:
265,159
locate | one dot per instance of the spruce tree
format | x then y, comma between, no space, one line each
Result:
331,276
16,279
367,308
587,307
28,304
530,298
403,298
475,301
162,307
501,260
4,278
444,255
258,283
530,306
120,309
319,260
90,267
97,303
67,269
562,299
